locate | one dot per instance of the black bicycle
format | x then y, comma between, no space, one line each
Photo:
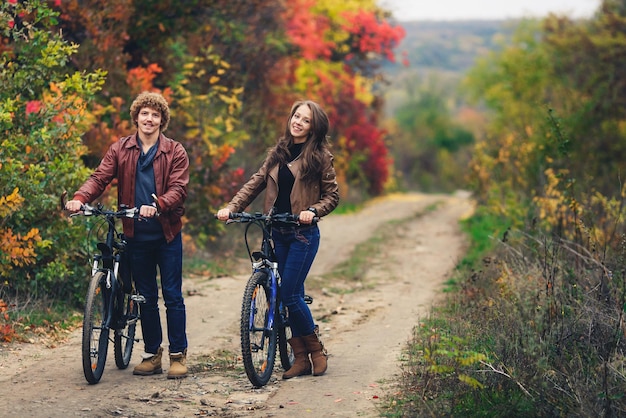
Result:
112,302
264,319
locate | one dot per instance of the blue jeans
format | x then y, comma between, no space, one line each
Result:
146,256
295,250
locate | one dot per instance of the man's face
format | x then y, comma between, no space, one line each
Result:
148,121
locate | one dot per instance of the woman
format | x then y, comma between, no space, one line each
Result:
299,178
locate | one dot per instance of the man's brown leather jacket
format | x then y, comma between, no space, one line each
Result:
322,195
171,175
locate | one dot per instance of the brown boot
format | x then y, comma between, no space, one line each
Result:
178,365
318,354
301,364
150,365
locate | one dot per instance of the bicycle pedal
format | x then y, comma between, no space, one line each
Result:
138,298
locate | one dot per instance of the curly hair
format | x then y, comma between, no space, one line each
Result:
153,101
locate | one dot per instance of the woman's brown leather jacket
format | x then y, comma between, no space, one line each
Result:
171,176
322,195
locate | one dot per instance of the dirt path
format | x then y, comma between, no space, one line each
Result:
364,331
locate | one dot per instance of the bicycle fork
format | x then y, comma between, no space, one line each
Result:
272,276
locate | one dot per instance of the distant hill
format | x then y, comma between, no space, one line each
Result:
452,45
446,49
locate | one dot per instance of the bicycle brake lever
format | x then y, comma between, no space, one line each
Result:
130,212
155,200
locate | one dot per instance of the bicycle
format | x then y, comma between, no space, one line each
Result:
264,320
112,302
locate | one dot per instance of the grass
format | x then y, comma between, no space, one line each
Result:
42,320
525,331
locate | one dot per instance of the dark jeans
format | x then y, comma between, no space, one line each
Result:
146,256
295,251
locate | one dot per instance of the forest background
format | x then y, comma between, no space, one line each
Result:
528,115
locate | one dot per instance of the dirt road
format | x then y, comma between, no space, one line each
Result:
363,329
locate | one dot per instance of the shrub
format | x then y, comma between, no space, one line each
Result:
43,111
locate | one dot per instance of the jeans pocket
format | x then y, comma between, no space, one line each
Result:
301,237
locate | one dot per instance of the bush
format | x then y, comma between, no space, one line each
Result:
43,112
537,328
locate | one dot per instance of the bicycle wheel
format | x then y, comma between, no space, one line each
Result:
95,336
125,336
284,334
258,343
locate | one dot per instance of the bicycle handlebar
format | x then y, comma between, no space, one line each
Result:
243,217
99,210
87,210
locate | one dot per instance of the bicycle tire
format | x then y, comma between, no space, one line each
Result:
258,344
95,338
284,334
124,338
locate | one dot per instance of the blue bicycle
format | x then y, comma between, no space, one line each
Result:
264,320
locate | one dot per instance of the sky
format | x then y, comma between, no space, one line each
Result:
407,10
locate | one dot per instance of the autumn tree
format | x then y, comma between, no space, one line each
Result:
340,46
43,112
556,135
267,46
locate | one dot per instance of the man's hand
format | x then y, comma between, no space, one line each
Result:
147,211
73,205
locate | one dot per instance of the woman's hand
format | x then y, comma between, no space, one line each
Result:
223,214
306,217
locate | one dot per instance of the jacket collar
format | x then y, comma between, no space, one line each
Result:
165,143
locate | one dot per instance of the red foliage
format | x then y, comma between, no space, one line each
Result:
358,124
33,106
306,30
372,35
7,332
141,79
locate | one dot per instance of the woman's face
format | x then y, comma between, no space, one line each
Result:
300,124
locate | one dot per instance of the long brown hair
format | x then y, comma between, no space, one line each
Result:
314,147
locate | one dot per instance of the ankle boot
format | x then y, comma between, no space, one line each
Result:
301,364
318,354
178,365
150,365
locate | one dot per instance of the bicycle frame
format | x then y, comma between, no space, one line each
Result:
110,304
108,262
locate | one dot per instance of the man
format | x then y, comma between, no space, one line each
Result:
149,163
